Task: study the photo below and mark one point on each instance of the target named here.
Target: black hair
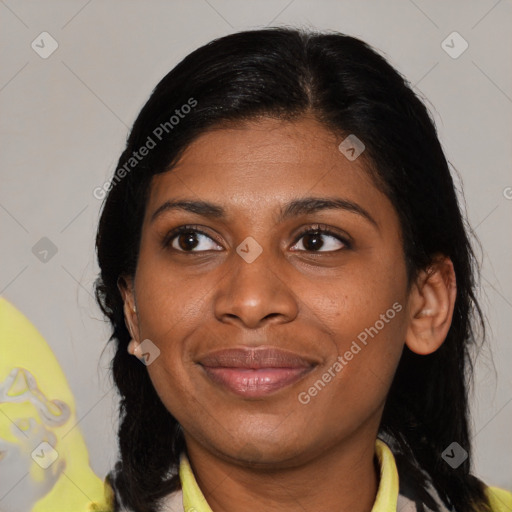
(288, 73)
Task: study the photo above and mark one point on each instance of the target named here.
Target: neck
(343, 478)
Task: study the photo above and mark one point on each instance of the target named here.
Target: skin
(276, 453)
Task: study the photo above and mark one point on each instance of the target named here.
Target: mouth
(255, 373)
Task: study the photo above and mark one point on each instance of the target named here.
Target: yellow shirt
(385, 501)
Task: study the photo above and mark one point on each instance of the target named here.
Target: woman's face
(330, 308)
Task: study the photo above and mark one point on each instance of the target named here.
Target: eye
(314, 236)
(188, 238)
(191, 239)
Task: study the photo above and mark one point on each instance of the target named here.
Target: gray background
(65, 119)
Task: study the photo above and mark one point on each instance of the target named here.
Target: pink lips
(255, 372)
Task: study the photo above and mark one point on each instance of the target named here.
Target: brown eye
(186, 241)
(320, 239)
(189, 239)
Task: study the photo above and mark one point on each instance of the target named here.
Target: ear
(125, 286)
(431, 305)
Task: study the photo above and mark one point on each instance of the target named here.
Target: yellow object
(44, 463)
(501, 500)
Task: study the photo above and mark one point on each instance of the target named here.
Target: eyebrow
(307, 205)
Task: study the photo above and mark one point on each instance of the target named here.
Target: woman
(291, 289)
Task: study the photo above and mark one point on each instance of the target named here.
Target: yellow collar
(385, 501)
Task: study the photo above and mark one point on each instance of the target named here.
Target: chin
(260, 450)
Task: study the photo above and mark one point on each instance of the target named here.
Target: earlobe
(431, 305)
(133, 348)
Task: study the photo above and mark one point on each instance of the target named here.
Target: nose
(255, 293)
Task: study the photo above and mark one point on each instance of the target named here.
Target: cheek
(169, 301)
(352, 387)
(365, 304)
(368, 324)
(173, 309)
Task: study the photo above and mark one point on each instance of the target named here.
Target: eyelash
(323, 230)
(314, 229)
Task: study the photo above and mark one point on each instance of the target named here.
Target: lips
(255, 372)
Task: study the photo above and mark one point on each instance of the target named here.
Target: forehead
(260, 164)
